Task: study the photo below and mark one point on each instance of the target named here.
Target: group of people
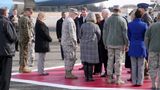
(32, 39)
(18, 33)
(105, 42)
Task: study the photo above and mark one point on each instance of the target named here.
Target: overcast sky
(110, 3)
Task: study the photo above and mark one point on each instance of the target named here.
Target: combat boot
(110, 79)
(154, 86)
(69, 75)
(23, 69)
(119, 81)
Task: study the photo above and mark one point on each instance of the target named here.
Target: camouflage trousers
(31, 53)
(23, 54)
(115, 58)
(154, 64)
(69, 57)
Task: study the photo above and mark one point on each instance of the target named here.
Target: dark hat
(143, 5)
(116, 7)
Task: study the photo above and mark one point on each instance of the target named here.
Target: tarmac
(53, 57)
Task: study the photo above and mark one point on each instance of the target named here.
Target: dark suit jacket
(8, 37)
(81, 21)
(42, 37)
(59, 28)
(77, 28)
(103, 57)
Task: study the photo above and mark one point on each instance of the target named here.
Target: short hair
(91, 17)
(63, 12)
(116, 10)
(28, 9)
(84, 9)
(106, 11)
(138, 14)
(3, 11)
(14, 9)
(97, 15)
(41, 15)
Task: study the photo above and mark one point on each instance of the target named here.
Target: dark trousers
(5, 72)
(62, 54)
(88, 70)
(16, 46)
(98, 68)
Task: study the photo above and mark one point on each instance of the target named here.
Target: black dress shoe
(104, 74)
(90, 80)
(129, 79)
(44, 74)
(96, 73)
(81, 68)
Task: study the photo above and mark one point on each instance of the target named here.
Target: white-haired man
(103, 57)
(69, 42)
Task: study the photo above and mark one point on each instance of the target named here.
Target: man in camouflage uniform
(26, 26)
(152, 42)
(116, 41)
(31, 46)
(69, 43)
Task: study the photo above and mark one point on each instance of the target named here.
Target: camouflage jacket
(25, 29)
(69, 36)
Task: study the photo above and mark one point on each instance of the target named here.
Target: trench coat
(89, 37)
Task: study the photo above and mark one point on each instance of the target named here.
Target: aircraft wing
(65, 2)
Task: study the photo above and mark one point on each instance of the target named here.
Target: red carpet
(56, 76)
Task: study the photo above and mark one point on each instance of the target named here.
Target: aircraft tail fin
(6, 3)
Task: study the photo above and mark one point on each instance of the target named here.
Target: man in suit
(82, 19)
(59, 31)
(83, 16)
(103, 53)
(8, 37)
(14, 19)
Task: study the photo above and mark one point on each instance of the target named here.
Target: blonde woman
(89, 37)
(42, 39)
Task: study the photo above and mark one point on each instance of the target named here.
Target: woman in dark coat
(98, 67)
(42, 39)
(89, 37)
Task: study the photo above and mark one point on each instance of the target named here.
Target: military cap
(73, 10)
(143, 5)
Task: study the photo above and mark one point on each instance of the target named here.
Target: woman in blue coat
(137, 49)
